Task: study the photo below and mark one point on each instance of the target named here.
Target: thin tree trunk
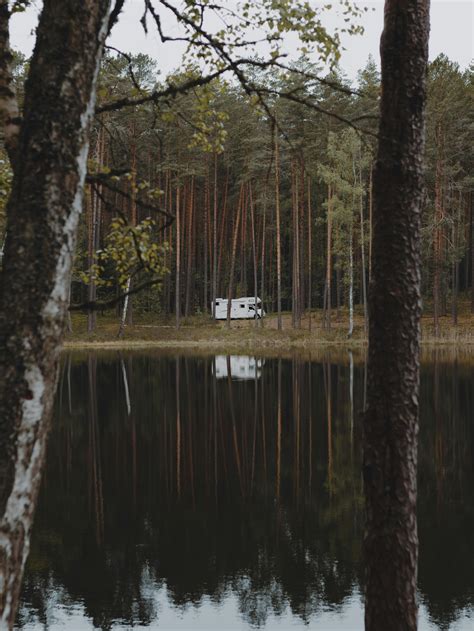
(327, 314)
(351, 282)
(206, 263)
(310, 253)
(262, 280)
(471, 215)
(189, 248)
(234, 252)
(391, 419)
(438, 235)
(278, 227)
(254, 252)
(222, 231)
(362, 255)
(214, 242)
(177, 302)
(371, 206)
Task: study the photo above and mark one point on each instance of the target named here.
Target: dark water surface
(225, 493)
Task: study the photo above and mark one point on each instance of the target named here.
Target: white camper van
(240, 309)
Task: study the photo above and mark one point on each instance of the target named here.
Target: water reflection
(176, 496)
(239, 367)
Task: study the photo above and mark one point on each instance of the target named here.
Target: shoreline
(198, 335)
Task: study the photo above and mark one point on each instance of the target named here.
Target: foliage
(128, 250)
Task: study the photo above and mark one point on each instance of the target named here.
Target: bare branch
(100, 178)
(157, 95)
(148, 207)
(133, 78)
(98, 305)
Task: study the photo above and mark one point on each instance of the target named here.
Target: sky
(452, 33)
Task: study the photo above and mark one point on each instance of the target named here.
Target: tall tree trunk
(310, 252)
(93, 237)
(371, 214)
(278, 226)
(391, 418)
(438, 234)
(327, 311)
(234, 252)
(351, 281)
(42, 217)
(262, 265)
(254, 252)
(471, 240)
(214, 241)
(222, 230)
(362, 255)
(127, 304)
(189, 254)
(177, 300)
(206, 214)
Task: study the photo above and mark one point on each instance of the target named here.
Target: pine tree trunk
(278, 226)
(127, 315)
(189, 253)
(214, 241)
(254, 252)
(362, 255)
(177, 299)
(206, 264)
(351, 282)
(471, 240)
(391, 418)
(437, 238)
(327, 311)
(310, 252)
(262, 266)
(234, 252)
(42, 218)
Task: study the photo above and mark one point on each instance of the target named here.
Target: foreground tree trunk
(42, 216)
(391, 419)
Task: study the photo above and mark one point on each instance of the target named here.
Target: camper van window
(242, 306)
(217, 303)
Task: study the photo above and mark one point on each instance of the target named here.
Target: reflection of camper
(241, 367)
(240, 309)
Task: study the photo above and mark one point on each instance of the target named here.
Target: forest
(258, 170)
(214, 193)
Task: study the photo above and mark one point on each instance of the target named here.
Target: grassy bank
(199, 333)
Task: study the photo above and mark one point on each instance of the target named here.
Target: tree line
(207, 195)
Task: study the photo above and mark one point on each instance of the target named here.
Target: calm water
(225, 493)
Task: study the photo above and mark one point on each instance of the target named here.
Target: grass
(200, 334)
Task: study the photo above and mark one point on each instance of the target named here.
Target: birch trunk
(42, 218)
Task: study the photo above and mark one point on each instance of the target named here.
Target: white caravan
(237, 367)
(240, 309)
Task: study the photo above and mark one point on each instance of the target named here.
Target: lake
(226, 493)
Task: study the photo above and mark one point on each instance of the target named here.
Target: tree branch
(114, 14)
(98, 305)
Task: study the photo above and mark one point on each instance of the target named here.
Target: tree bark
(391, 418)
(42, 216)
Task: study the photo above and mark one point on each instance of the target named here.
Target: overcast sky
(452, 33)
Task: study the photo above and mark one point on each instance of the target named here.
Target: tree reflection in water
(167, 472)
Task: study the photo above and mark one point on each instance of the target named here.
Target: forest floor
(200, 334)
